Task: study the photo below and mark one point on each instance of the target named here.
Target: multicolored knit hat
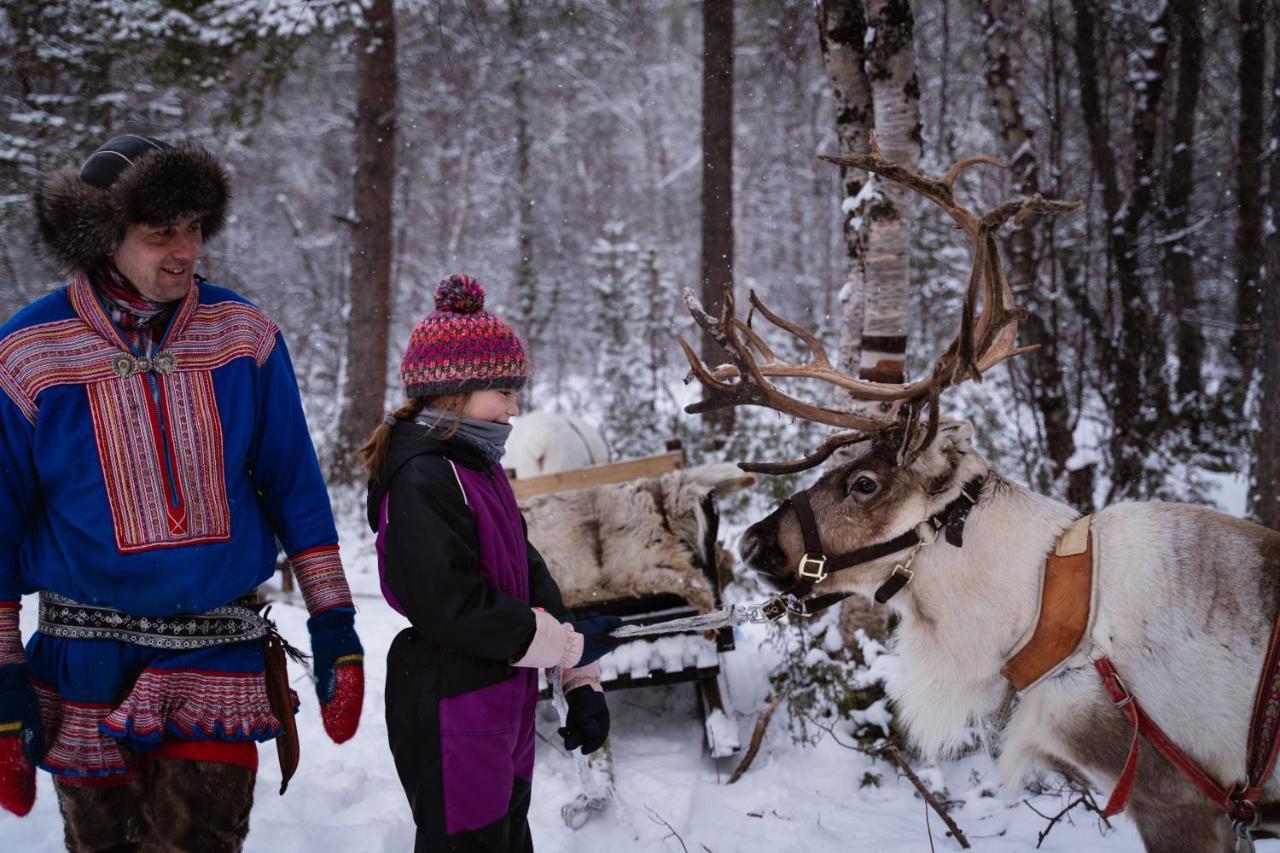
(460, 347)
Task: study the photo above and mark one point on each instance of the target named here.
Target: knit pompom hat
(460, 347)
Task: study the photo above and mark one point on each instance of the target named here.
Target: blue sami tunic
(154, 493)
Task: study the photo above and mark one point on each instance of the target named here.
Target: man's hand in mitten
(337, 659)
(587, 723)
(21, 732)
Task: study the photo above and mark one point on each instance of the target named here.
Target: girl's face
(491, 405)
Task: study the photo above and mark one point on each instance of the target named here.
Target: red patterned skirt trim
(164, 706)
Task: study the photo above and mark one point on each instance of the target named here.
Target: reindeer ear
(955, 437)
(943, 455)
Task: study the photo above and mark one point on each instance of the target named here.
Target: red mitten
(17, 776)
(337, 658)
(341, 714)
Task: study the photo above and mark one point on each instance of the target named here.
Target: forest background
(564, 153)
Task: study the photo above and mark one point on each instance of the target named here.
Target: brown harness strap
(1065, 599)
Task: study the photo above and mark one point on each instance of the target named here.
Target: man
(152, 451)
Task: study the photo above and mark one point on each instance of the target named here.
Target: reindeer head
(867, 499)
(911, 466)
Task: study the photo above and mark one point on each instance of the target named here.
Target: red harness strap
(1239, 801)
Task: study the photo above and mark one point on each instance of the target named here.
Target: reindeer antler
(984, 339)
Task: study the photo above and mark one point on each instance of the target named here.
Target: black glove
(596, 642)
(587, 723)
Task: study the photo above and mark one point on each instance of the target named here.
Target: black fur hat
(82, 214)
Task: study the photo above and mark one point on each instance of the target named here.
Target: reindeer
(1184, 599)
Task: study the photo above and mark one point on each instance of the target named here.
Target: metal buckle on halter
(777, 607)
(903, 569)
(771, 611)
(808, 559)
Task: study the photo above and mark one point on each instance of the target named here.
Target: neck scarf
(487, 437)
(142, 321)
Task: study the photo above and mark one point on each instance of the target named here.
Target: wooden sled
(717, 714)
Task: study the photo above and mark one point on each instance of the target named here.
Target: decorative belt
(237, 622)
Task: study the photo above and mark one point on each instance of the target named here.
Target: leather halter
(815, 566)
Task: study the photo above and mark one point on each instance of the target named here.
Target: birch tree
(842, 35)
(895, 99)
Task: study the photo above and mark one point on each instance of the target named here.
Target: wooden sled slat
(598, 475)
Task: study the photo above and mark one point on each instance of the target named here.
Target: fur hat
(82, 214)
(460, 347)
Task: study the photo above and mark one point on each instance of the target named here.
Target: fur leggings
(174, 806)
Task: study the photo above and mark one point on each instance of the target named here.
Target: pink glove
(554, 643)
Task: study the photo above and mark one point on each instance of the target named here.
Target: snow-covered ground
(670, 795)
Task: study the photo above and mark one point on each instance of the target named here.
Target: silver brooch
(122, 364)
(125, 364)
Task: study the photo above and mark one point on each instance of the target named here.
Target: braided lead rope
(594, 796)
(736, 614)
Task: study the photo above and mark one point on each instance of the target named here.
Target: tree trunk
(370, 254)
(531, 314)
(1043, 367)
(895, 96)
(1136, 381)
(1265, 491)
(842, 32)
(1249, 245)
(717, 181)
(1179, 255)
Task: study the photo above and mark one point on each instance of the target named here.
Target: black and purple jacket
(454, 559)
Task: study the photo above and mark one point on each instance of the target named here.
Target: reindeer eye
(864, 486)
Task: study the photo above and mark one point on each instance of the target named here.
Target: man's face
(491, 405)
(160, 260)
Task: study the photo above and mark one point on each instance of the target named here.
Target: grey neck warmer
(487, 437)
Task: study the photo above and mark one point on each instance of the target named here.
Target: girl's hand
(596, 642)
(587, 723)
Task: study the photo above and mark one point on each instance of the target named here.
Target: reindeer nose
(749, 550)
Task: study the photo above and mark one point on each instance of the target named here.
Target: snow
(669, 794)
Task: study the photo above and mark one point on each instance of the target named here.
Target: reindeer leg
(1186, 826)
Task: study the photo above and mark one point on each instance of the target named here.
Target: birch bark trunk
(895, 96)
(842, 32)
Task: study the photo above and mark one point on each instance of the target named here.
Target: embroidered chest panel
(161, 456)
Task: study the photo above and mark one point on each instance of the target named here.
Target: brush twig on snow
(894, 754)
(1084, 799)
(657, 818)
(757, 737)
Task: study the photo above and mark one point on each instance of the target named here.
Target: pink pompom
(460, 294)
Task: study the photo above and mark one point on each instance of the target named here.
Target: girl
(485, 612)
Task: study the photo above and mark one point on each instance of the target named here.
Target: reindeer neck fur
(965, 610)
